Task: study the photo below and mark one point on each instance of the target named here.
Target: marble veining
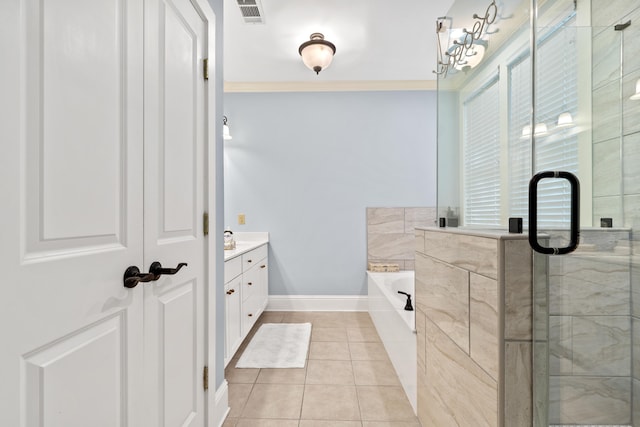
(476, 254)
(484, 323)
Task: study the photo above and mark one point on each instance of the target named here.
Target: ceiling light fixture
(317, 53)
(226, 133)
(636, 96)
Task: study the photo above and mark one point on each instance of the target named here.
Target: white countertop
(245, 242)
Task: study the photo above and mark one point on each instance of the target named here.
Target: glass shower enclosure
(554, 85)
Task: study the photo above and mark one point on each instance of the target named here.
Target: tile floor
(348, 381)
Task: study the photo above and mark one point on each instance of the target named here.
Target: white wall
(304, 166)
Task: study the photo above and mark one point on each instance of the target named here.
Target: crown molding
(331, 86)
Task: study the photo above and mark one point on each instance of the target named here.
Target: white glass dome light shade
(317, 53)
(636, 96)
(565, 120)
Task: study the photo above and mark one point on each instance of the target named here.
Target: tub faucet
(408, 305)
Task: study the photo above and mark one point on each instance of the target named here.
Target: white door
(71, 111)
(78, 348)
(175, 46)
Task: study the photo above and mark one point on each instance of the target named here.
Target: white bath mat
(277, 345)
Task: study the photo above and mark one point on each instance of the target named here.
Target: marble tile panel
(560, 345)
(390, 246)
(540, 295)
(598, 270)
(579, 400)
(409, 264)
(461, 388)
(541, 383)
(635, 340)
(635, 290)
(607, 178)
(419, 241)
(630, 108)
(432, 411)
(605, 57)
(631, 47)
(518, 411)
(606, 112)
(577, 296)
(473, 253)
(385, 220)
(608, 207)
(418, 217)
(421, 341)
(518, 271)
(484, 331)
(632, 211)
(604, 239)
(631, 163)
(442, 293)
(606, 14)
(635, 406)
(601, 345)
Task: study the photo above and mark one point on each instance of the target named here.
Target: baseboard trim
(221, 409)
(317, 303)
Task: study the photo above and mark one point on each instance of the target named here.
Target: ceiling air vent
(251, 11)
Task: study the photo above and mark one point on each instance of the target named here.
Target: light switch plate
(240, 219)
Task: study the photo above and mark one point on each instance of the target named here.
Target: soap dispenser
(229, 242)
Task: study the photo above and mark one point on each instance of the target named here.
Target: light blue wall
(304, 166)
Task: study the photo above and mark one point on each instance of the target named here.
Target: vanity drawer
(252, 258)
(232, 268)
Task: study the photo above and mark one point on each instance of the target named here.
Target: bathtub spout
(408, 305)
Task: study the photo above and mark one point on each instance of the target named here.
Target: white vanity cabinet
(246, 276)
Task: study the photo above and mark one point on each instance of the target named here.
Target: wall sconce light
(565, 120)
(317, 53)
(226, 134)
(540, 130)
(636, 96)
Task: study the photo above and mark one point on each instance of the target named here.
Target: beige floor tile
(384, 403)
(374, 372)
(329, 350)
(330, 402)
(297, 317)
(331, 319)
(271, 317)
(362, 335)
(391, 424)
(282, 376)
(330, 372)
(359, 319)
(368, 351)
(246, 422)
(274, 401)
(333, 423)
(240, 375)
(238, 396)
(230, 422)
(328, 334)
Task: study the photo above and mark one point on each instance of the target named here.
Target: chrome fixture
(468, 49)
(317, 53)
(226, 133)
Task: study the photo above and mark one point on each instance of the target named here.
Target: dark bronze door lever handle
(157, 270)
(132, 277)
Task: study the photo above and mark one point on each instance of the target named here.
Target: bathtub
(395, 325)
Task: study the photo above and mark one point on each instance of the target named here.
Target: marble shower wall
(616, 167)
(391, 232)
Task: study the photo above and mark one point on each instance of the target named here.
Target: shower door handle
(574, 234)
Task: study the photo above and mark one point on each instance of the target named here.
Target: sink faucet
(408, 305)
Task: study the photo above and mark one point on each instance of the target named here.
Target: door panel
(72, 204)
(174, 196)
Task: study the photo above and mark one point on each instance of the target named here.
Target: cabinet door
(233, 332)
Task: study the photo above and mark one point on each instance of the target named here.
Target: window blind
(481, 156)
(556, 86)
